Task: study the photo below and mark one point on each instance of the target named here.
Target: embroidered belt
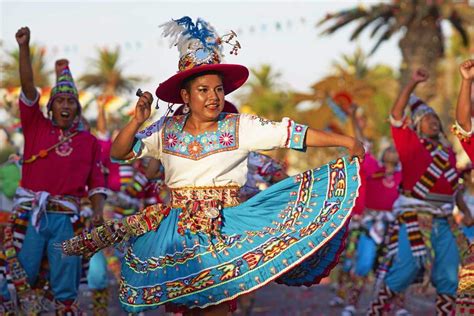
(202, 206)
(227, 195)
(53, 207)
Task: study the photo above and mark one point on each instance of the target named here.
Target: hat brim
(234, 76)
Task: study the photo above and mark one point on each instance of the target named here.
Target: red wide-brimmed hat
(200, 51)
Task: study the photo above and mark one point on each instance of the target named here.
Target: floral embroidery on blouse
(261, 120)
(180, 143)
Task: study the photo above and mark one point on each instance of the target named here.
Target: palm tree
(10, 77)
(422, 42)
(264, 95)
(107, 75)
(355, 64)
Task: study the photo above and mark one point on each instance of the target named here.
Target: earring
(186, 109)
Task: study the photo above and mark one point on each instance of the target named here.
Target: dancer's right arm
(26, 71)
(398, 108)
(123, 143)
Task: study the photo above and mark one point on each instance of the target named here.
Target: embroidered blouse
(216, 158)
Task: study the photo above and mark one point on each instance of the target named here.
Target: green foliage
(107, 74)
(9, 69)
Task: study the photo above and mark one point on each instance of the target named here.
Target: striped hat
(64, 86)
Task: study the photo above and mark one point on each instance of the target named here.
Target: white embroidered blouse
(216, 158)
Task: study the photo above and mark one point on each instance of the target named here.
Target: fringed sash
(439, 167)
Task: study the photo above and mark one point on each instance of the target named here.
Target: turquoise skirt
(291, 233)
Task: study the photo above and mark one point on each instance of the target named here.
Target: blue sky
(75, 29)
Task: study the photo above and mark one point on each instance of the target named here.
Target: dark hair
(188, 81)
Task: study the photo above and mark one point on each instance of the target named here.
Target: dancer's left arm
(318, 138)
(463, 110)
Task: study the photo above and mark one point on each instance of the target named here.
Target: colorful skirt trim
(291, 233)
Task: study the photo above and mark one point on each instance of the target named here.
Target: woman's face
(205, 97)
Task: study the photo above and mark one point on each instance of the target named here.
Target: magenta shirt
(113, 179)
(382, 190)
(71, 169)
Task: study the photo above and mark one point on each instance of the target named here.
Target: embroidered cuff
(27, 101)
(99, 190)
(396, 123)
(296, 135)
(461, 131)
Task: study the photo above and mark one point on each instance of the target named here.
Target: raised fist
(23, 36)
(420, 75)
(143, 107)
(467, 69)
(60, 65)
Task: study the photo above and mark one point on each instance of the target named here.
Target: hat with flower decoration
(64, 86)
(200, 50)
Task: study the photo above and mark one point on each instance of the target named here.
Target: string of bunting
(133, 45)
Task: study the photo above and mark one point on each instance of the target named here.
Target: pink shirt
(70, 169)
(415, 159)
(113, 178)
(359, 205)
(383, 189)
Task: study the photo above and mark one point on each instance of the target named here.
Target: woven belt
(54, 207)
(202, 206)
(227, 195)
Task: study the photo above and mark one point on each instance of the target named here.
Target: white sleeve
(148, 141)
(257, 133)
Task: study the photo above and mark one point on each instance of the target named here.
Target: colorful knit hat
(419, 109)
(200, 50)
(64, 86)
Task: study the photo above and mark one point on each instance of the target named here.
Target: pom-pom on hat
(64, 86)
(200, 50)
(418, 109)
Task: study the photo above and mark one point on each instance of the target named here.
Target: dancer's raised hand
(420, 75)
(467, 69)
(143, 107)
(23, 36)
